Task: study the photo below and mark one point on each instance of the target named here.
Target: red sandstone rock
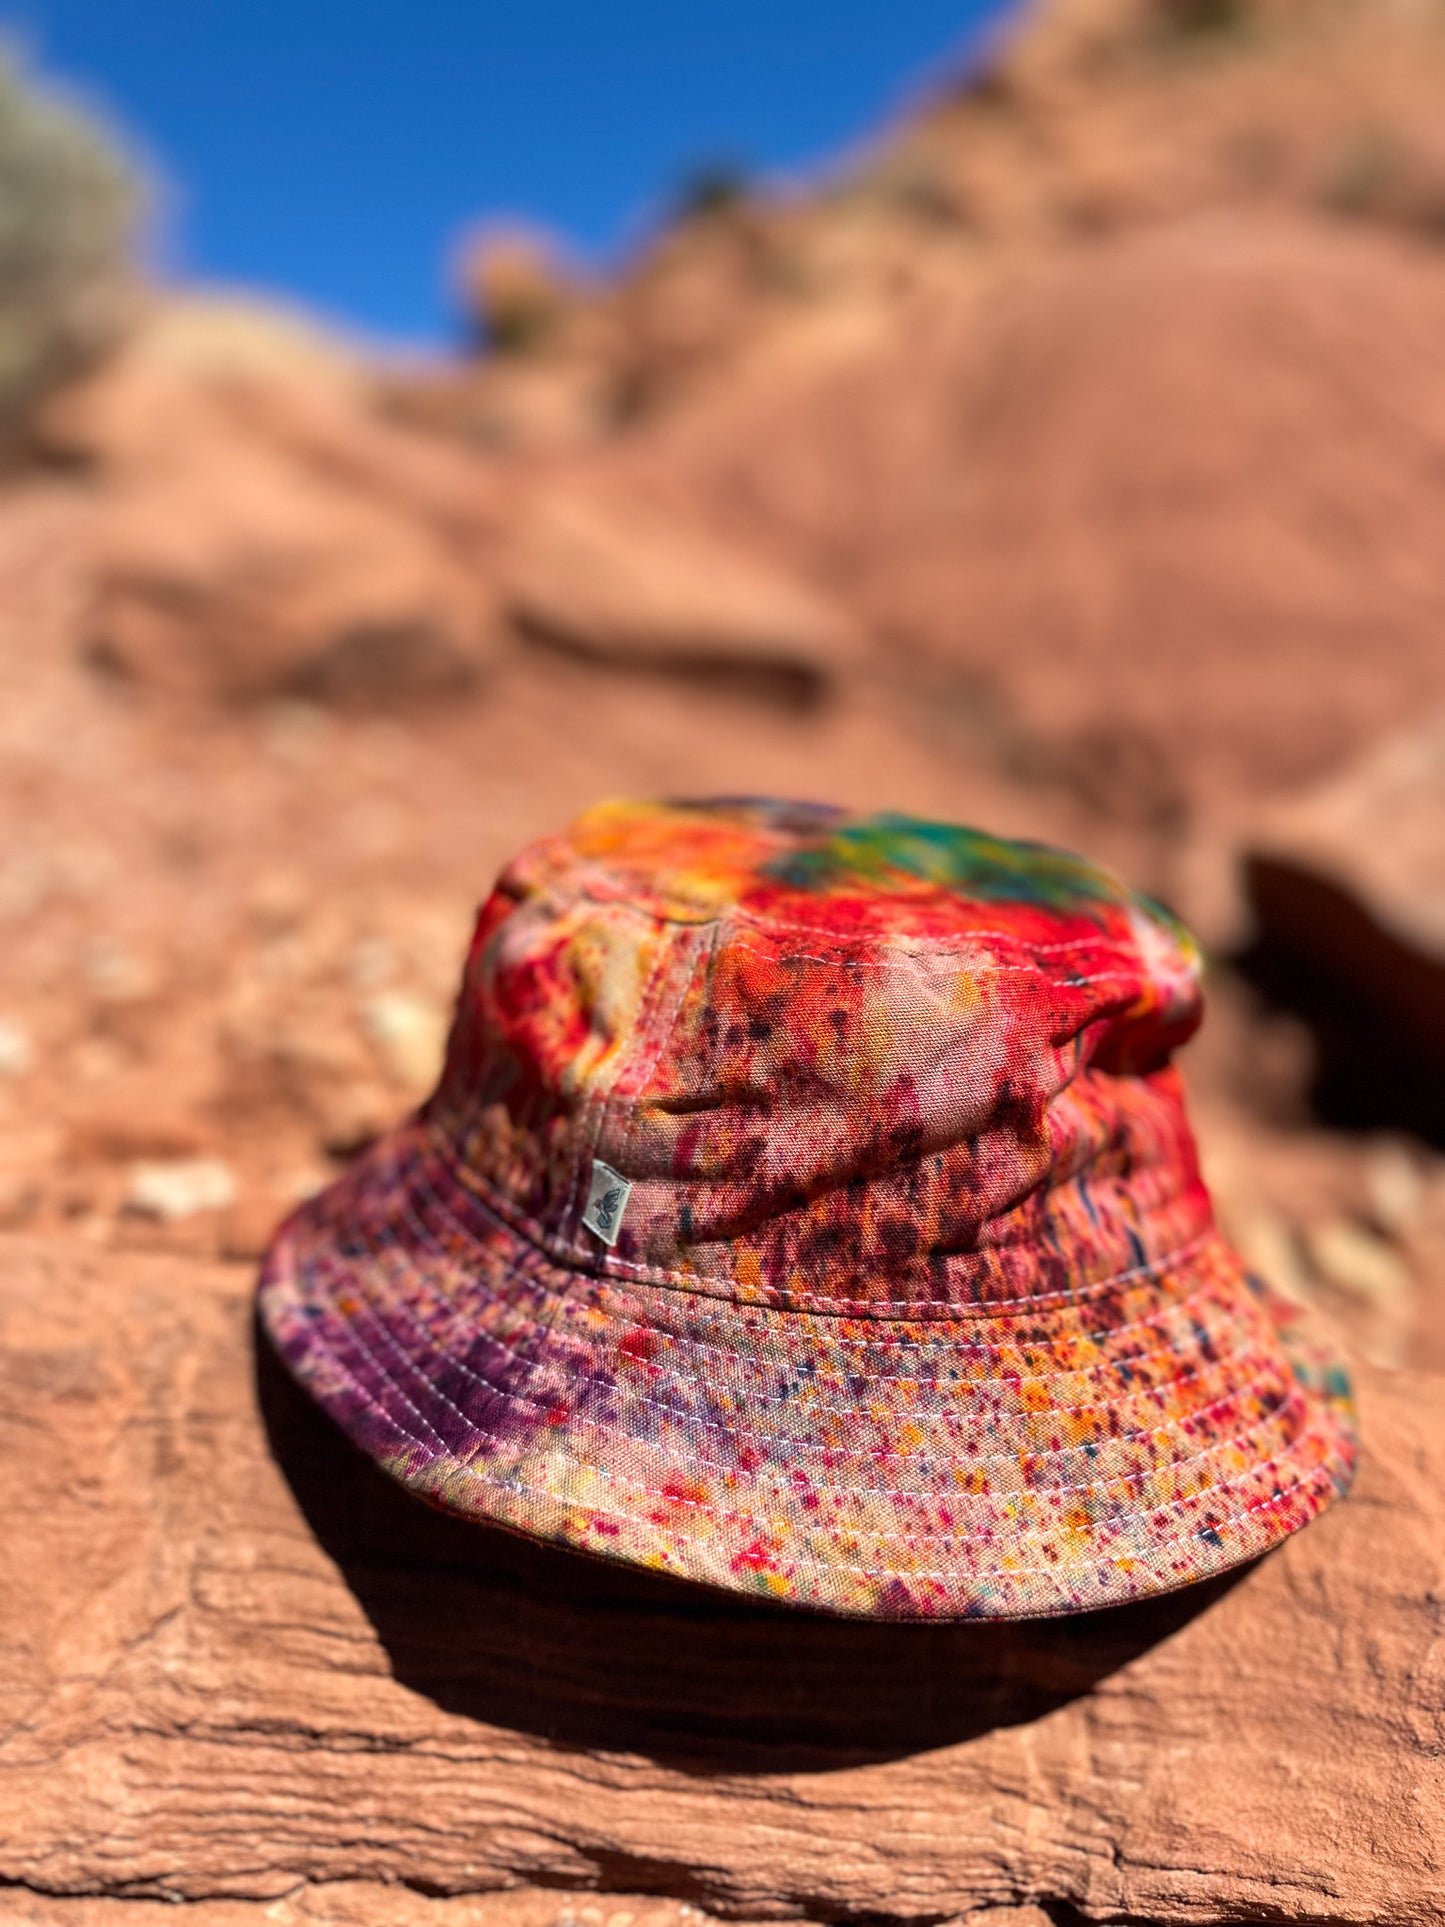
(249, 578)
(627, 582)
(239, 1666)
(362, 1903)
(1085, 504)
(1091, 117)
(261, 531)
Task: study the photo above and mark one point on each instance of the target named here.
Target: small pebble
(296, 732)
(371, 963)
(1396, 1187)
(1268, 1246)
(171, 1189)
(277, 900)
(1358, 1262)
(410, 1034)
(16, 1053)
(116, 976)
(1360, 1265)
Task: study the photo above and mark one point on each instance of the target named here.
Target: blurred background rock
(1068, 456)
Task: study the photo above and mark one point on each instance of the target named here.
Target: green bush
(713, 187)
(70, 206)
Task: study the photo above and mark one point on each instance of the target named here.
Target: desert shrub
(515, 288)
(70, 204)
(711, 188)
(519, 326)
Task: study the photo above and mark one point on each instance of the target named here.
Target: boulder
(1217, 589)
(244, 1670)
(626, 581)
(248, 577)
(275, 535)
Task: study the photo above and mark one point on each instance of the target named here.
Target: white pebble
(410, 1034)
(16, 1054)
(175, 1188)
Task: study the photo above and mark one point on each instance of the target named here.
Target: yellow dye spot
(1077, 1427)
(967, 992)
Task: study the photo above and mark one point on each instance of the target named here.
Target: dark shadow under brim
(587, 1653)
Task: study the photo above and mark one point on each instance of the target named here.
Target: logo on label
(607, 1197)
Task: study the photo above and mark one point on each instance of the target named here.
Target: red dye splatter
(755, 1557)
(639, 1347)
(684, 1491)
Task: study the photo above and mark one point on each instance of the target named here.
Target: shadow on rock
(495, 1628)
(1370, 999)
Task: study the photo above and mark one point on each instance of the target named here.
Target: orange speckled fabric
(917, 1307)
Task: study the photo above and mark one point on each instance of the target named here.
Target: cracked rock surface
(241, 1670)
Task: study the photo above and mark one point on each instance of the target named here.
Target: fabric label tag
(607, 1197)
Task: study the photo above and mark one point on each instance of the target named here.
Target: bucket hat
(808, 1207)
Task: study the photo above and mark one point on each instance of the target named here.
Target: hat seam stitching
(610, 1477)
(569, 1254)
(542, 1330)
(513, 1271)
(1276, 1414)
(615, 1474)
(586, 869)
(1114, 1331)
(553, 1248)
(861, 1344)
(1040, 972)
(984, 1458)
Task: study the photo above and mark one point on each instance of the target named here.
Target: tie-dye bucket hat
(808, 1208)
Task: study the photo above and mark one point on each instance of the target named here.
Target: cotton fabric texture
(916, 1306)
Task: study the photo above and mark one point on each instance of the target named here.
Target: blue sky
(334, 149)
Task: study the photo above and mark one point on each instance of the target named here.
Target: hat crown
(845, 1064)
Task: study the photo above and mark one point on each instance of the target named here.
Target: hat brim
(1050, 1458)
